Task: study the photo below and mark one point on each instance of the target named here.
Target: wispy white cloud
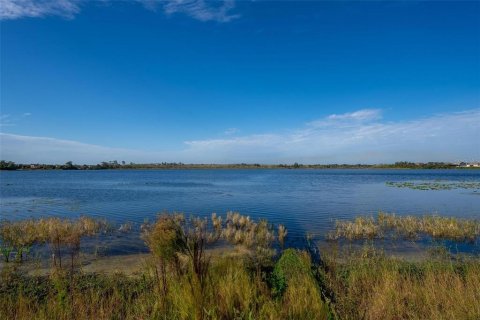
(354, 137)
(201, 10)
(30, 149)
(360, 115)
(15, 9)
(343, 138)
(231, 131)
(348, 119)
(9, 120)
(6, 120)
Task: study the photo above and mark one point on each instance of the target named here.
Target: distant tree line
(10, 165)
(421, 165)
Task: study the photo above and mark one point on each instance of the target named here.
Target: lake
(303, 200)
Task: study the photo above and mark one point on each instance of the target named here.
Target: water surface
(304, 200)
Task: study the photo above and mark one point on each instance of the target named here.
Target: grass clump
(294, 284)
(360, 228)
(407, 227)
(63, 236)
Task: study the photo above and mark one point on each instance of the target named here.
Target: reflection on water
(303, 200)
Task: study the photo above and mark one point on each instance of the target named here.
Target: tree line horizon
(69, 165)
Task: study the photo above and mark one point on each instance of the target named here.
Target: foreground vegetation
(368, 284)
(183, 279)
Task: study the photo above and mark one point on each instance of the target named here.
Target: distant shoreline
(114, 165)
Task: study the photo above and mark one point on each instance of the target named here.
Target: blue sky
(239, 81)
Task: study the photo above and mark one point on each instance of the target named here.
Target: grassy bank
(182, 278)
(368, 284)
(233, 292)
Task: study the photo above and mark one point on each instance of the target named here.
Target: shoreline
(246, 168)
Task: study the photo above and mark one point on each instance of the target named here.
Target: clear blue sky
(253, 81)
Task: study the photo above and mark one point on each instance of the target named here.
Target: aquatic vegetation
(360, 228)
(437, 227)
(435, 185)
(407, 227)
(282, 234)
(67, 234)
(59, 234)
(17, 237)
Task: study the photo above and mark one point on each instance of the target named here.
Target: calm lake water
(304, 200)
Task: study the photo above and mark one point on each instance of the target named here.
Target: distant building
(469, 164)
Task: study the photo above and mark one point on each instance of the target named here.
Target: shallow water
(304, 200)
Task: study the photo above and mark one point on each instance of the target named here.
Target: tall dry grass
(367, 284)
(232, 293)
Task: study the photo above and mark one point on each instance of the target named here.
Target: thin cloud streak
(360, 115)
(15, 9)
(201, 10)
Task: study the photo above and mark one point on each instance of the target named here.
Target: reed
(360, 228)
(407, 227)
(256, 238)
(17, 237)
(61, 235)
